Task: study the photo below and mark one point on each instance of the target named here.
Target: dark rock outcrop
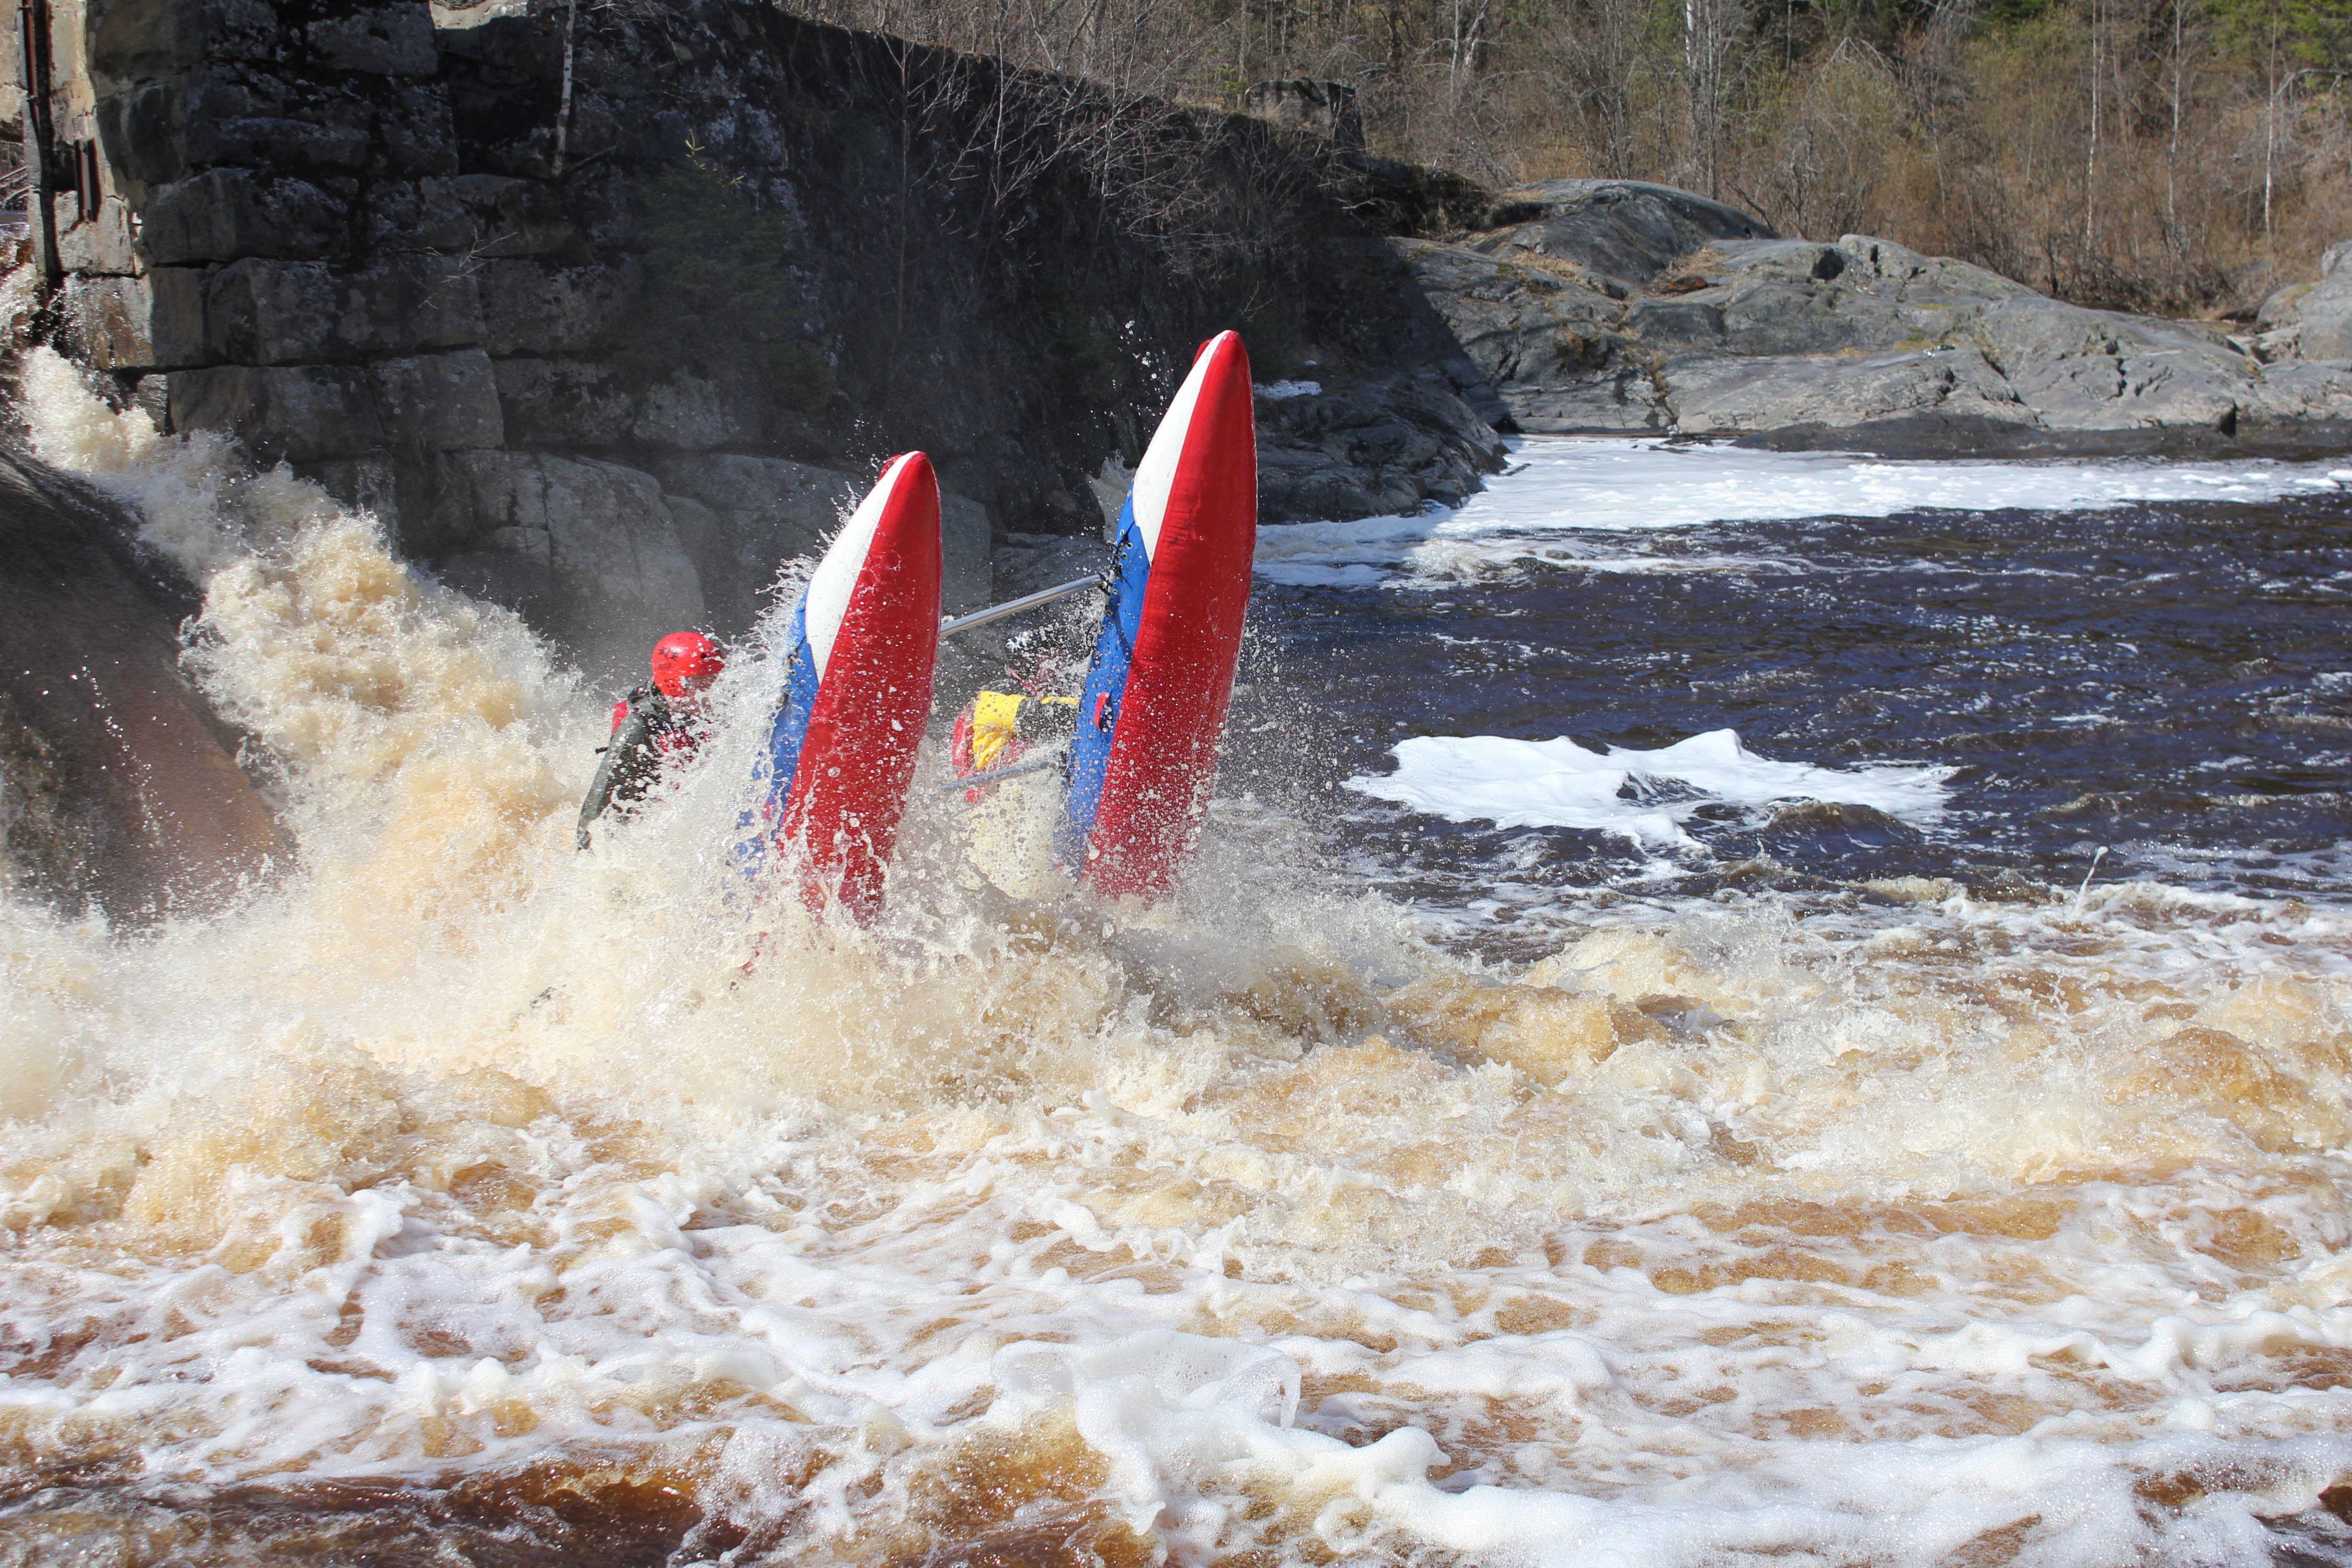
(118, 785)
(1374, 448)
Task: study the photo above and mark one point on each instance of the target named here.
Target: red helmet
(685, 664)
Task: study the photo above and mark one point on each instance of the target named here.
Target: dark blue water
(2162, 689)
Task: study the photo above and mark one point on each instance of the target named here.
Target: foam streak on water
(1575, 492)
(460, 1178)
(1558, 783)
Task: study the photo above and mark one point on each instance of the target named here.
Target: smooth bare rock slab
(223, 215)
(299, 413)
(1916, 393)
(1801, 342)
(1773, 316)
(1518, 319)
(587, 547)
(1624, 230)
(2310, 320)
(1677, 324)
(2302, 406)
(1627, 401)
(2097, 371)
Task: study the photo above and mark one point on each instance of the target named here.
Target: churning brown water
(1729, 1178)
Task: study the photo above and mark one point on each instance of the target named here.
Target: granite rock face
(1370, 449)
(763, 511)
(1626, 309)
(2311, 321)
(587, 549)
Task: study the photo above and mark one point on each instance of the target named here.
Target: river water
(1734, 1006)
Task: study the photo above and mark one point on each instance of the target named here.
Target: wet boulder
(118, 785)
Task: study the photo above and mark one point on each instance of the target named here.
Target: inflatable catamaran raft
(857, 691)
(1150, 721)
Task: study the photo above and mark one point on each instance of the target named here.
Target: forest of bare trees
(2174, 155)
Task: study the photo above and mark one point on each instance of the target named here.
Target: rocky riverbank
(1615, 308)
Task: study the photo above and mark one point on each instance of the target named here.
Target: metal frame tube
(1015, 607)
(1036, 764)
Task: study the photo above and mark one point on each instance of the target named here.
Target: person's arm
(633, 734)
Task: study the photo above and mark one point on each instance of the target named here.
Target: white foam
(458, 1154)
(1560, 783)
(1562, 491)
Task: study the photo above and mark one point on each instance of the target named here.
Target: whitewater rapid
(460, 1174)
(1571, 495)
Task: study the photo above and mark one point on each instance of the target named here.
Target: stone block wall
(346, 234)
(294, 246)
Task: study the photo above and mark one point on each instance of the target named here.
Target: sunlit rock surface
(1613, 308)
